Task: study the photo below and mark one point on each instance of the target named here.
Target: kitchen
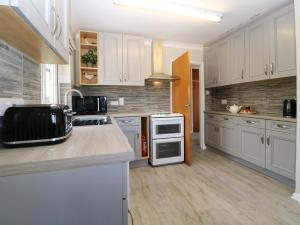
(116, 132)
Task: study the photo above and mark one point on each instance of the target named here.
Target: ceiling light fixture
(172, 8)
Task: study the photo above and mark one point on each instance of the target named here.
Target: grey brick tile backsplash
(266, 96)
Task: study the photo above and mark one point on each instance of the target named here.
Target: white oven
(167, 127)
(167, 139)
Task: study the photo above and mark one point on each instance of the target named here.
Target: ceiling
(103, 15)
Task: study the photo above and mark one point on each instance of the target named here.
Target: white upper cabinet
(223, 61)
(122, 60)
(49, 19)
(258, 51)
(283, 43)
(133, 60)
(264, 49)
(237, 71)
(62, 23)
(211, 68)
(111, 59)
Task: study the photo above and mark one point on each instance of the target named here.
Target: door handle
(266, 69)
(268, 140)
(272, 68)
(262, 139)
(188, 105)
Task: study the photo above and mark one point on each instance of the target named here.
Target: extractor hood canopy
(157, 63)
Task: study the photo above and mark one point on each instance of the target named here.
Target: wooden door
(258, 51)
(181, 98)
(281, 153)
(133, 61)
(237, 51)
(253, 145)
(283, 43)
(110, 59)
(196, 100)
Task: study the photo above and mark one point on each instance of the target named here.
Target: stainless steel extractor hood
(157, 64)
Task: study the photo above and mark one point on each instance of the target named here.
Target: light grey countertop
(88, 145)
(258, 116)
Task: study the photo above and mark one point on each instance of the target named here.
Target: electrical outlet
(224, 101)
(8, 102)
(121, 101)
(114, 103)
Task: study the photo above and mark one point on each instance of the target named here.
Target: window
(49, 84)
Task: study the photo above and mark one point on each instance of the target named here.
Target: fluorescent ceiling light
(172, 8)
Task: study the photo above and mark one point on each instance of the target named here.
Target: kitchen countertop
(258, 116)
(134, 114)
(88, 145)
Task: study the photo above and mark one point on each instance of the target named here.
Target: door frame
(192, 66)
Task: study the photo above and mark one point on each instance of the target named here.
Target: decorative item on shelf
(233, 108)
(85, 40)
(89, 76)
(248, 110)
(90, 58)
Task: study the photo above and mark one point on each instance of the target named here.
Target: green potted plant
(90, 58)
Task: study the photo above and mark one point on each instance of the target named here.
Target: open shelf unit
(88, 74)
(145, 133)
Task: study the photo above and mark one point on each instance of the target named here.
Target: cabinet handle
(120, 77)
(268, 140)
(60, 27)
(250, 122)
(55, 22)
(242, 75)
(272, 68)
(125, 77)
(282, 126)
(266, 69)
(262, 139)
(225, 118)
(138, 135)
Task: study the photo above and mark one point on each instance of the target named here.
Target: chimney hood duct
(157, 64)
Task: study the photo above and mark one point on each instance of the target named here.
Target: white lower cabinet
(265, 143)
(229, 139)
(252, 144)
(281, 153)
(212, 136)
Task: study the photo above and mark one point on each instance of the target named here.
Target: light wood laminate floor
(214, 190)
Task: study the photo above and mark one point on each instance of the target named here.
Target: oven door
(167, 127)
(166, 151)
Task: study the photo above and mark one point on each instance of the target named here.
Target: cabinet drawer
(252, 122)
(227, 119)
(128, 121)
(281, 126)
(211, 117)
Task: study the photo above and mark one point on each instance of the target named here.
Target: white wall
(297, 19)
(172, 50)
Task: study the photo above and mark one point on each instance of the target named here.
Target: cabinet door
(62, 34)
(133, 61)
(110, 59)
(281, 153)
(237, 55)
(258, 51)
(212, 137)
(210, 66)
(228, 139)
(252, 143)
(223, 61)
(133, 135)
(40, 14)
(283, 43)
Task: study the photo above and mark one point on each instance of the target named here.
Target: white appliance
(167, 138)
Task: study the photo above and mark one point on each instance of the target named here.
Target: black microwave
(89, 105)
(36, 124)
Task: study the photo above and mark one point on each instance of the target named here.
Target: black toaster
(36, 124)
